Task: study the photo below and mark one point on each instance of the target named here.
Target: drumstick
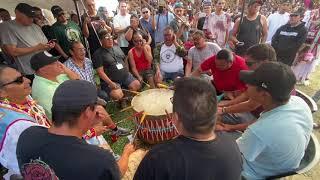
(162, 86)
(146, 84)
(134, 115)
(127, 108)
(134, 92)
(141, 121)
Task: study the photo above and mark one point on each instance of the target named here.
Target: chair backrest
(311, 156)
(311, 103)
(310, 159)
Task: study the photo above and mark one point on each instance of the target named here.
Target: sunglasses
(145, 12)
(19, 80)
(108, 37)
(138, 41)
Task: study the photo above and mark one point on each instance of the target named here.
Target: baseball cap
(298, 12)
(255, 1)
(74, 94)
(56, 10)
(104, 33)
(207, 3)
(42, 59)
(274, 77)
(26, 9)
(178, 5)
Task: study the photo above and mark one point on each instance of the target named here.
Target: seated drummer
(198, 153)
(249, 110)
(50, 73)
(276, 143)
(168, 57)
(225, 68)
(60, 151)
(109, 62)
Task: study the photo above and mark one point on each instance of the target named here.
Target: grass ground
(314, 174)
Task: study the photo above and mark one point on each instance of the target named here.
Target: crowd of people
(56, 79)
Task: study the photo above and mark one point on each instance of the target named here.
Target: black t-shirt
(68, 156)
(109, 58)
(201, 23)
(184, 158)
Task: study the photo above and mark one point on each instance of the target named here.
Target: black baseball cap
(74, 94)
(255, 1)
(26, 9)
(42, 59)
(56, 10)
(275, 77)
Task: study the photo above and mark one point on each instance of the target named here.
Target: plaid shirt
(87, 73)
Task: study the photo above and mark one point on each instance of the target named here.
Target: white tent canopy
(67, 5)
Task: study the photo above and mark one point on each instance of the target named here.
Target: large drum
(157, 125)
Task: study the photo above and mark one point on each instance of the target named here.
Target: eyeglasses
(138, 41)
(178, 11)
(108, 37)
(145, 12)
(19, 80)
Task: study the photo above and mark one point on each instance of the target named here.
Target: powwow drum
(157, 125)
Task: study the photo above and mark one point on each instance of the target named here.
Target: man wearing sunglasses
(148, 23)
(289, 38)
(63, 30)
(18, 111)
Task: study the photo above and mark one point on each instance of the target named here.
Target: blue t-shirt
(162, 22)
(276, 143)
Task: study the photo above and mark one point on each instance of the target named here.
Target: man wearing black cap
(60, 151)
(252, 30)
(63, 30)
(22, 39)
(277, 19)
(109, 61)
(289, 38)
(265, 152)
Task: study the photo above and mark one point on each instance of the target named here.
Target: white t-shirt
(122, 22)
(275, 21)
(169, 61)
(198, 56)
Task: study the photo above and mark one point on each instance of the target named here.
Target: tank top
(141, 62)
(249, 33)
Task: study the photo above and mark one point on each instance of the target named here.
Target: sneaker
(121, 132)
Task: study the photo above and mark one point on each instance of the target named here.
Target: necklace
(30, 107)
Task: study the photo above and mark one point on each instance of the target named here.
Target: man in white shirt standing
(121, 21)
(277, 19)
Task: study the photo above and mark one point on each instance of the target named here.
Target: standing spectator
(92, 25)
(200, 52)
(206, 7)
(216, 25)
(289, 38)
(121, 22)
(163, 19)
(148, 23)
(134, 28)
(198, 152)
(74, 18)
(140, 59)
(180, 28)
(4, 15)
(277, 19)
(252, 30)
(22, 39)
(64, 31)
